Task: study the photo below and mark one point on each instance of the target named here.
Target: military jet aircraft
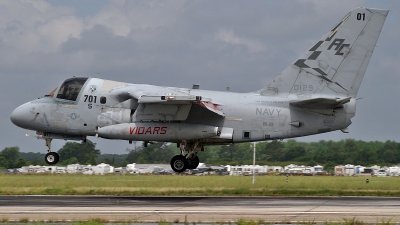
(315, 94)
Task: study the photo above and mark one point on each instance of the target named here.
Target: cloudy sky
(242, 44)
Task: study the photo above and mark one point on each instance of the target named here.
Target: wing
(154, 103)
(321, 105)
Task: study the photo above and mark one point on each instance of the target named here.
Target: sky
(242, 44)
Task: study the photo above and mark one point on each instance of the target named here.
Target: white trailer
(393, 171)
(349, 170)
(101, 169)
(131, 168)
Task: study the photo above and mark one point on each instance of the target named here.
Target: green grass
(50, 184)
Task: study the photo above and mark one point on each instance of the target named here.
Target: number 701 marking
(90, 98)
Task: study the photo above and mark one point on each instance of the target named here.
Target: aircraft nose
(19, 115)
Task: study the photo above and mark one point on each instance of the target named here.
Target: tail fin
(336, 64)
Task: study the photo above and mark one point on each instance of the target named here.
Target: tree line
(326, 153)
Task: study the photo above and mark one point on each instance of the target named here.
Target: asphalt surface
(199, 209)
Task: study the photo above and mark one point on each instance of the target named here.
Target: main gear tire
(179, 163)
(193, 163)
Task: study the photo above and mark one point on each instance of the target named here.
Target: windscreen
(51, 93)
(70, 89)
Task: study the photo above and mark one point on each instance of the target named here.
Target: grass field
(65, 184)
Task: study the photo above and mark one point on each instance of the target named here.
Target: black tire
(179, 163)
(193, 163)
(52, 158)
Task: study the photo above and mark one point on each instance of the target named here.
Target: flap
(212, 107)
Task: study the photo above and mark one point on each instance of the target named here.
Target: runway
(199, 209)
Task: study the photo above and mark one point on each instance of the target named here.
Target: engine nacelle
(169, 132)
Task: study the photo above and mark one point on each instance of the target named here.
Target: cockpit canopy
(70, 89)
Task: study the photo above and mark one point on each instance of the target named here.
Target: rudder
(336, 64)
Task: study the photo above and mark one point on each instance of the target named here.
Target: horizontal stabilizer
(320, 105)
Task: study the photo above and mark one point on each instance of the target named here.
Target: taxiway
(199, 209)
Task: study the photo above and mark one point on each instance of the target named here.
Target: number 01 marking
(360, 16)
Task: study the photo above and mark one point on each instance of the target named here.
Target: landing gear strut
(51, 157)
(180, 163)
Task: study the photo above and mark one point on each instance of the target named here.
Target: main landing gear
(51, 157)
(180, 163)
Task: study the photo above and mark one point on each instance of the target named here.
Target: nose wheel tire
(52, 158)
(179, 163)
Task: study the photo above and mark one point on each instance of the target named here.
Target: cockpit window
(70, 89)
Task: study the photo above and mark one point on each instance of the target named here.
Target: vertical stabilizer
(336, 64)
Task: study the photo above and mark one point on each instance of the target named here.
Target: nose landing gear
(51, 157)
